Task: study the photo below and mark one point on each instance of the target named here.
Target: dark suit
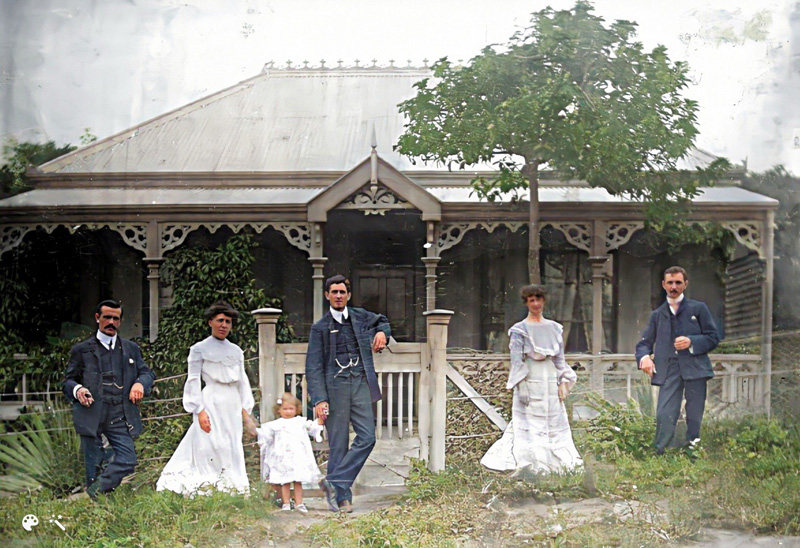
(679, 371)
(349, 397)
(121, 421)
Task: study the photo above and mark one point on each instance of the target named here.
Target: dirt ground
(521, 519)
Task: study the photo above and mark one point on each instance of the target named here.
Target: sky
(107, 65)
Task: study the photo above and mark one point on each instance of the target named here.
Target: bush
(619, 429)
(44, 453)
(200, 277)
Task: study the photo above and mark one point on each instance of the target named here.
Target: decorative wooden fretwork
(133, 234)
(374, 199)
(619, 233)
(297, 234)
(578, 234)
(451, 234)
(11, 236)
(747, 233)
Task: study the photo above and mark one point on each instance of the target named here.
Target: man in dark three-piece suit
(673, 351)
(343, 385)
(105, 381)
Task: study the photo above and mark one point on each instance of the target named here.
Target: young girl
(286, 455)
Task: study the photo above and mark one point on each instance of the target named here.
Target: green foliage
(199, 278)
(12, 307)
(572, 94)
(138, 517)
(619, 429)
(44, 453)
(764, 447)
(22, 156)
(46, 359)
(568, 91)
(667, 230)
(87, 137)
(440, 509)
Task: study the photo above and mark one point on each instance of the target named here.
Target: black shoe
(330, 494)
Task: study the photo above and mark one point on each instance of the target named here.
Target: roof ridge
(270, 66)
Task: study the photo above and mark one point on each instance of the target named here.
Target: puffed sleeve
(192, 390)
(244, 386)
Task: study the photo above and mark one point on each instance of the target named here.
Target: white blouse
(215, 361)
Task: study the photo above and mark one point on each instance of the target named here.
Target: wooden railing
(413, 378)
(398, 370)
(739, 379)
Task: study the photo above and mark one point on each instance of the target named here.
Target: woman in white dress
(211, 455)
(538, 438)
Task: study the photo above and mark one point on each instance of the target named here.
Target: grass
(746, 477)
(139, 517)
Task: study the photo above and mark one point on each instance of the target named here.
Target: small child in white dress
(286, 455)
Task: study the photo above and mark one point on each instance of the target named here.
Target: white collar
(108, 342)
(340, 315)
(672, 302)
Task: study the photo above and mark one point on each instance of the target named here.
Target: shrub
(44, 453)
(619, 429)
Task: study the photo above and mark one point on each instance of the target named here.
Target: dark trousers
(670, 396)
(349, 402)
(119, 437)
(94, 454)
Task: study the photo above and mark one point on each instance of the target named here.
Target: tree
(22, 156)
(570, 94)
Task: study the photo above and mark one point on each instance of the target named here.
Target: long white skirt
(538, 438)
(214, 460)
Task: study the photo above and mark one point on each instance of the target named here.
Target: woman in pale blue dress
(538, 438)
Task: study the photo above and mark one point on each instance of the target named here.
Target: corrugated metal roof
(578, 194)
(132, 197)
(282, 120)
(277, 121)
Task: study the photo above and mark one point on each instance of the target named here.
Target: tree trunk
(531, 171)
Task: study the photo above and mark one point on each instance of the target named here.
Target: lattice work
(618, 234)
(450, 234)
(374, 199)
(578, 234)
(469, 432)
(747, 233)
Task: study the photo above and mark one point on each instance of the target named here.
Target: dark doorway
(388, 291)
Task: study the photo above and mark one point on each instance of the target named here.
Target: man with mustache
(673, 351)
(105, 381)
(343, 385)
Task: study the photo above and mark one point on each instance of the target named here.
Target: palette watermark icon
(29, 522)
